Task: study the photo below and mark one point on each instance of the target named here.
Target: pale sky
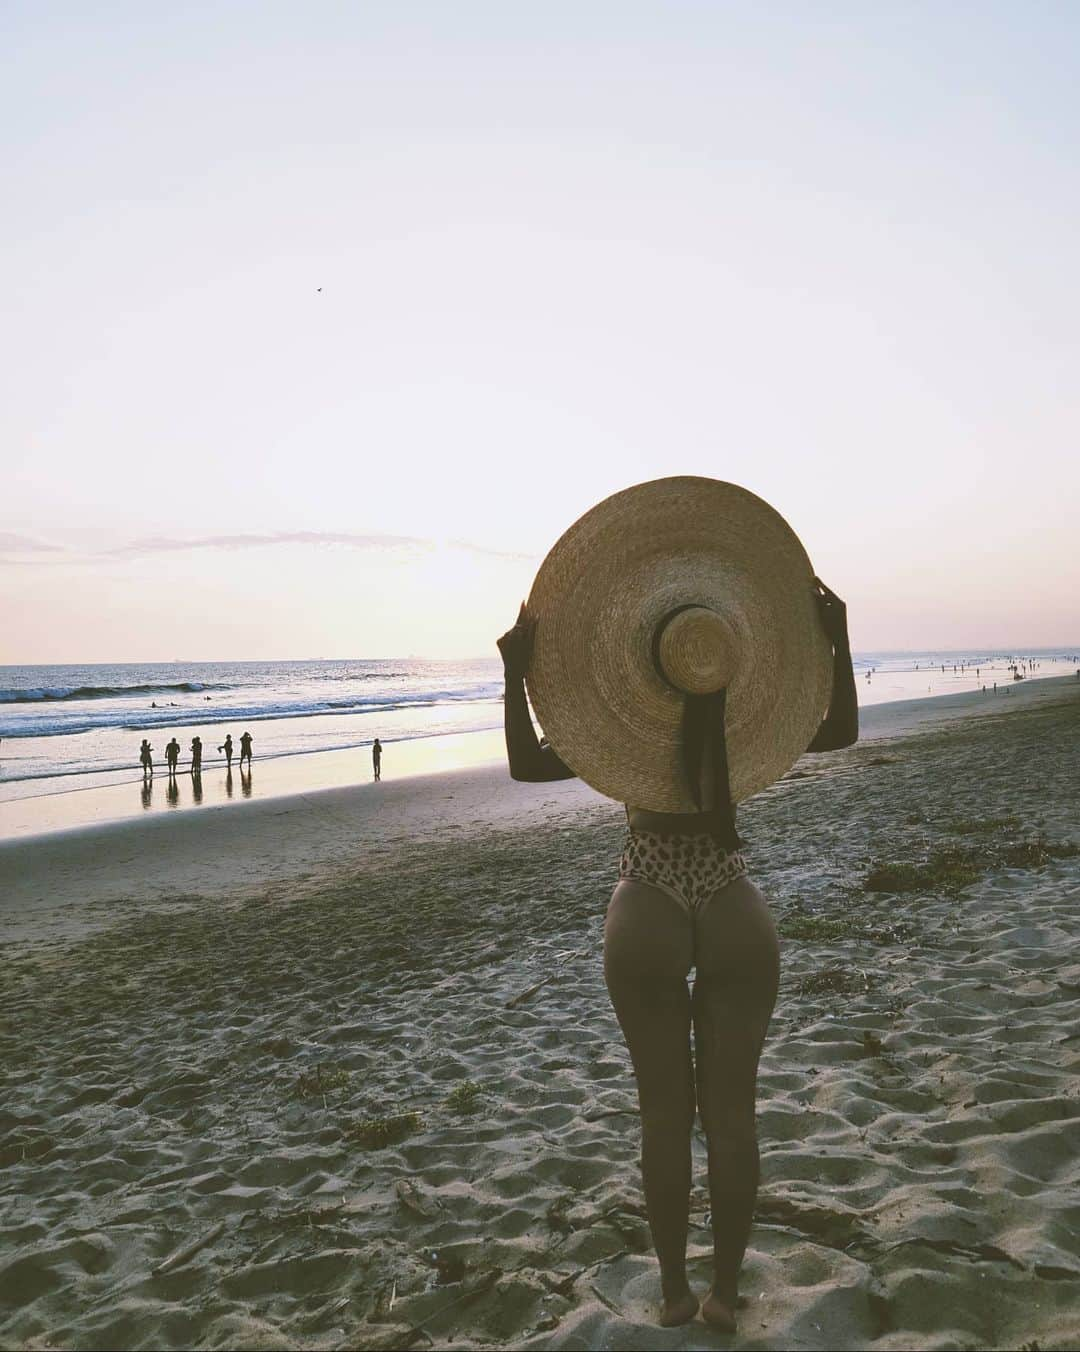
(826, 251)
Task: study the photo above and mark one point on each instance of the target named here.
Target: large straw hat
(679, 585)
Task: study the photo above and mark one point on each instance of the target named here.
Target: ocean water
(80, 726)
(60, 724)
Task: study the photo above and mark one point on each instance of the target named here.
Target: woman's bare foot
(717, 1313)
(679, 1309)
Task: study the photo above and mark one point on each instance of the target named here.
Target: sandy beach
(358, 1041)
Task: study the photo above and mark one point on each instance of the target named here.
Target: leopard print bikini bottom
(688, 868)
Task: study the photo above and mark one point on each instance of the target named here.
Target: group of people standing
(172, 754)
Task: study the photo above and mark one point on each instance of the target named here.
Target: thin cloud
(11, 543)
(490, 553)
(28, 551)
(159, 544)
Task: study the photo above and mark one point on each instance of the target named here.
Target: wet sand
(210, 1017)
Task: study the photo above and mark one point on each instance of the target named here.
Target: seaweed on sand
(835, 981)
(811, 928)
(322, 1081)
(946, 870)
(372, 1133)
(954, 867)
(464, 1098)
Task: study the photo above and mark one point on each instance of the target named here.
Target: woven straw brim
(600, 597)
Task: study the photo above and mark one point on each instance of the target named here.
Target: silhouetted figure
(196, 755)
(245, 748)
(227, 748)
(146, 758)
(376, 758)
(172, 754)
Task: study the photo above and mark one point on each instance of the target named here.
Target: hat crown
(696, 651)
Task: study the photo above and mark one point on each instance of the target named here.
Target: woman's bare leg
(738, 972)
(648, 950)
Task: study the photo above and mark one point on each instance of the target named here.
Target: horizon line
(1003, 649)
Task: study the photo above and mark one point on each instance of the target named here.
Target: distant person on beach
(227, 748)
(172, 754)
(683, 899)
(146, 758)
(376, 758)
(196, 755)
(245, 748)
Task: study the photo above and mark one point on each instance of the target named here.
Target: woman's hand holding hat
(517, 643)
(840, 727)
(833, 614)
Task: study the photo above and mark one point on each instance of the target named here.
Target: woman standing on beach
(685, 636)
(146, 758)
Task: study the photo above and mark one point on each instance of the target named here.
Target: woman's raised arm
(531, 760)
(840, 727)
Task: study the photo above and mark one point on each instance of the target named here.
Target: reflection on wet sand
(196, 785)
(172, 792)
(147, 792)
(245, 781)
(228, 782)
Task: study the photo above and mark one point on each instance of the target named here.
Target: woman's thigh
(648, 952)
(738, 973)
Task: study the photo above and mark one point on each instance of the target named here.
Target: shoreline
(299, 774)
(60, 882)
